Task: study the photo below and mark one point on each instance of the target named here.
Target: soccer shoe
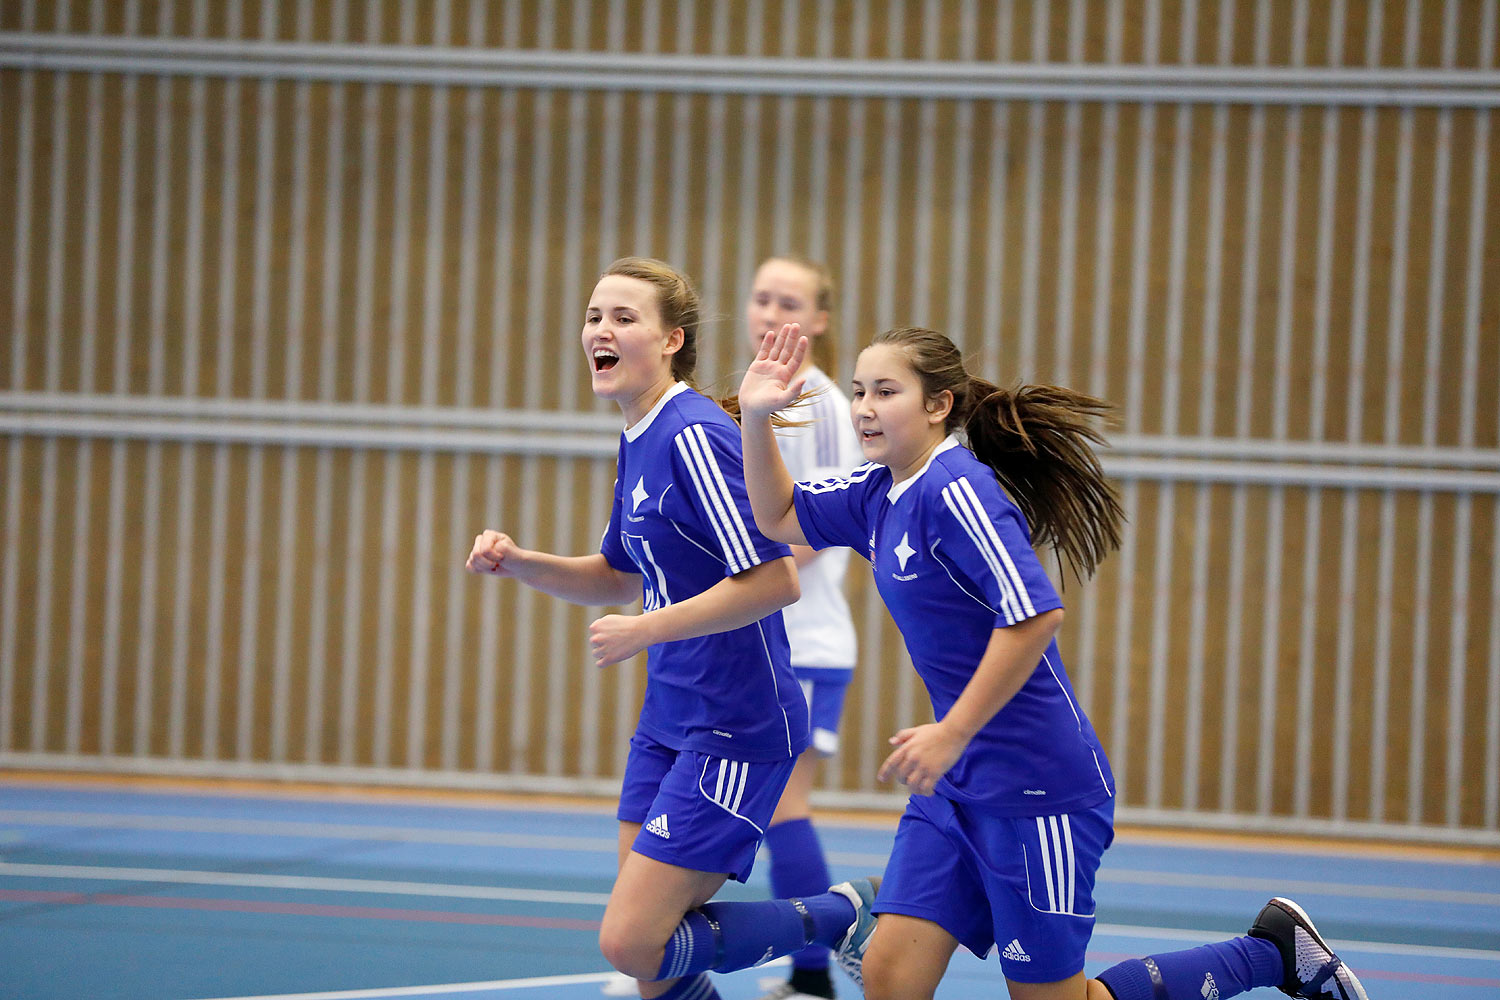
(1312, 969)
(850, 953)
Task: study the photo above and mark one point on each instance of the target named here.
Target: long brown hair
(1039, 440)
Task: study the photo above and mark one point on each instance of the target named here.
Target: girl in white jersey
(820, 445)
(1012, 797)
(723, 719)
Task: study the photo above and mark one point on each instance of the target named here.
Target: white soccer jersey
(819, 625)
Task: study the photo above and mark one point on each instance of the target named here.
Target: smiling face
(784, 291)
(897, 426)
(629, 352)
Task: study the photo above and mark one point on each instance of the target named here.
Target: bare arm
(732, 603)
(579, 579)
(925, 753)
(770, 384)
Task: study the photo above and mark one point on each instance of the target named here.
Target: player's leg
(645, 907)
(906, 958)
(705, 824)
(798, 864)
(1283, 950)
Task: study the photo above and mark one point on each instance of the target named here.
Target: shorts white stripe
(1072, 870)
(1064, 877)
(739, 792)
(719, 788)
(1046, 859)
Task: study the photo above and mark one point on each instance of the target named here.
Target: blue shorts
(824, 688)
(699, 811)
(1024, 884)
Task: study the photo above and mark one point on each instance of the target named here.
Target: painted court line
(440, 890)
(293, 909)
(310, 882)
(436, 990)
(608, 846)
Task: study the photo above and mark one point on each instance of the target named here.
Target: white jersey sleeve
(820, 626)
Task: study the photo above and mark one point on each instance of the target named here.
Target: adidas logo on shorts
(1015, 952)
(1210, 988)
(658, 826)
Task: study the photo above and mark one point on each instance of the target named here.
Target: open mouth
(605, 359)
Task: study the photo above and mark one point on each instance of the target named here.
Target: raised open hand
(771, 381)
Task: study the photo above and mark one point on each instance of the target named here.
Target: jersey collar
(894, 493)
(640, 426)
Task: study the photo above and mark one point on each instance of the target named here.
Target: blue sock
(1223, 969)
(692, 988)
(726, 937)
(799, 869)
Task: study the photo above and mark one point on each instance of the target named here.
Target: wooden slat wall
(1282, 273)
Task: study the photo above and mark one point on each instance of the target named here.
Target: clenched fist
(491, 551)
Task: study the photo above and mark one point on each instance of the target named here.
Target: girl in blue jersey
(819, 626)
(1012, 798)
(723, 719)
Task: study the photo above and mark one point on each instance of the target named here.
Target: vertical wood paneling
(429, 246)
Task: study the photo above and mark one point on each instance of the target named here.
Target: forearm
(589, 580)
(1009, 659)
(768, 482)
(732, 603)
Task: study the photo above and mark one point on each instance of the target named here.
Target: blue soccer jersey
(953, 561)
(682, 520)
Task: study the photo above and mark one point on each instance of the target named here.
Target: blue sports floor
(151, 892)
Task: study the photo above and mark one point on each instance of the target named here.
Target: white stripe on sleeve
(989, 527)
(958, 503)
(717, 501)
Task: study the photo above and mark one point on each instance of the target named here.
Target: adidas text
(658, 826)
(1015, 952)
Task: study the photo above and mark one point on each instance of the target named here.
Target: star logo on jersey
(638, 494)
(904, 551)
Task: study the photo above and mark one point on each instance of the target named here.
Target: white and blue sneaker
(1313, 971)
(850, 952)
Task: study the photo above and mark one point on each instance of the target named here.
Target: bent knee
(888, 977)
(629, 953)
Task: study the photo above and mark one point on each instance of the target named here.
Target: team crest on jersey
(903, 553)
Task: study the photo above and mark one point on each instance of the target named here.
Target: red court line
(296, 909)
(1364, 973)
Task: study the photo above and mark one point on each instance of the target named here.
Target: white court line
(310, 882)
(447, 890)
(601, 845)
(438, 989)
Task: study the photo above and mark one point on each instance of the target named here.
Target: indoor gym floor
(140, 890)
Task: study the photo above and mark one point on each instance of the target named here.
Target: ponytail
(1039, 441)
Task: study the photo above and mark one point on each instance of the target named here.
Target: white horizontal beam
(538, 441)
(214, 412)
(422, 439)
(686, 73)
(292, 411)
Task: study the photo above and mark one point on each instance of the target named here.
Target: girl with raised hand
(1012, 799)
(819, 444)
(723, 720)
